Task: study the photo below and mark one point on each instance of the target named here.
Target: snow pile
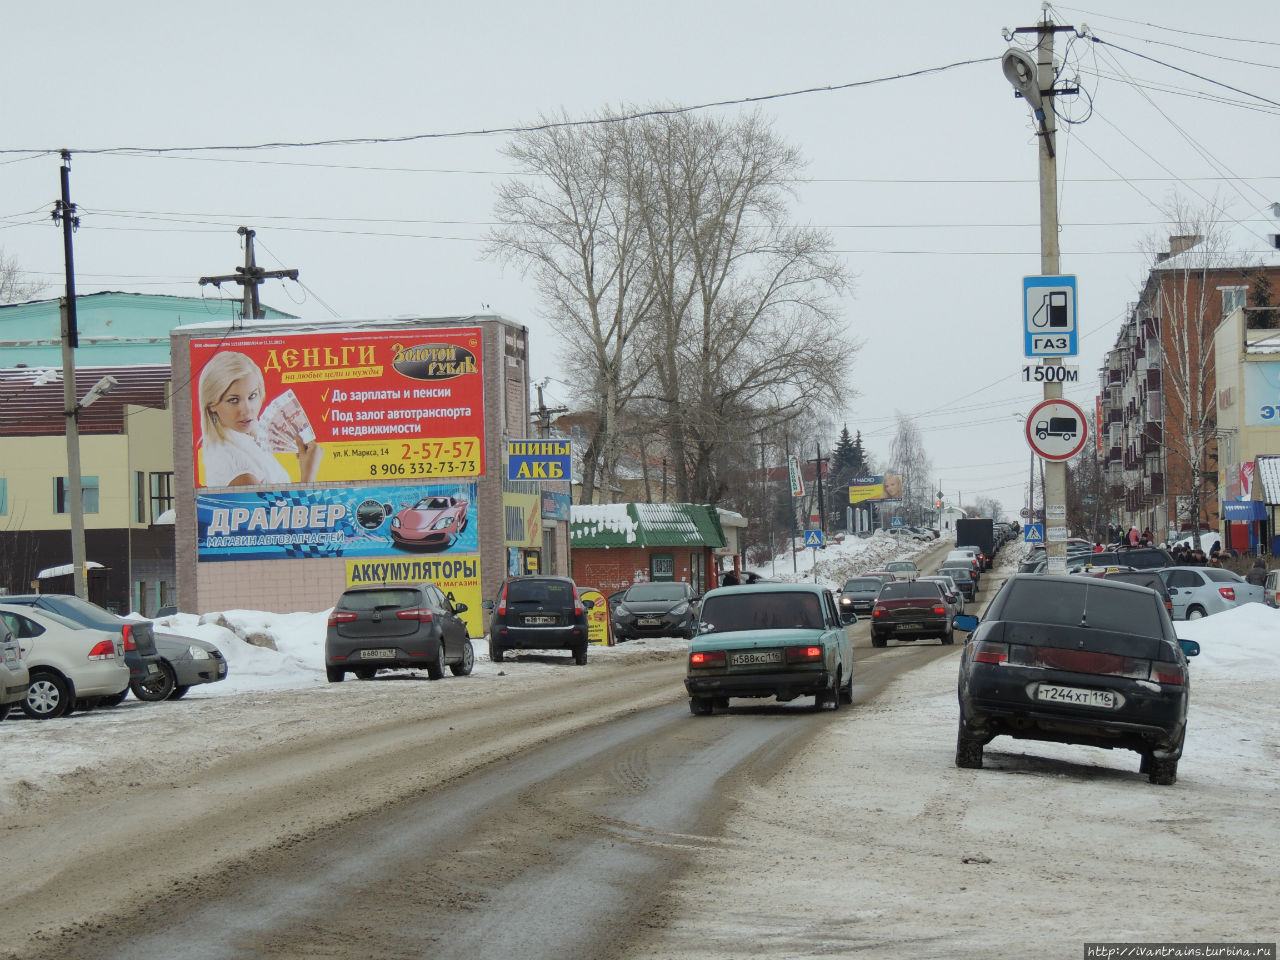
(1243, 643)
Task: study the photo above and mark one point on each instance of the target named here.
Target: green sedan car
(781, 640)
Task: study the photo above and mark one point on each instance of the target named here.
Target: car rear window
(655, 591)
(910, 588)
(1222, 576)
(867, 583)
(539, 591)
(379, 599)
(762, 611)
(1089, 603)
(957, 573)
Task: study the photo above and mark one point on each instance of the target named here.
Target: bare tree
(908, 459)
(1181, 296)
(743, 323)
(15, 286)
(571, 222)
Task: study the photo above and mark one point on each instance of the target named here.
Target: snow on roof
(1268, 473)
(66, 569)
(598, 518)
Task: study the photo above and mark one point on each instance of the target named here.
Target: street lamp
(75, 493)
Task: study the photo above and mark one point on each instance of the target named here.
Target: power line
(507, 131)
(1158, 26)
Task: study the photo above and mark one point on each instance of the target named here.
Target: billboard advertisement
(374, 521)
(1261, 393)
(458, 577)
(353, 405)
(866, 488)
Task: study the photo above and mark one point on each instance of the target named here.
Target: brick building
(618, 544)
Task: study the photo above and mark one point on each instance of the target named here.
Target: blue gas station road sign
(1049, 325)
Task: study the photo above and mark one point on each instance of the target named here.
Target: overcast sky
(927, 184)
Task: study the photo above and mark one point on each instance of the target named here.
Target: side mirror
(966, 622)
(486, 605)
(459, 608)
(588, 604)
(1189, 648)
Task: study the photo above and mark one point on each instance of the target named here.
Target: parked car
(138, 636)
(964, 578)
(184, 663)
(781, 640)
(538, 613)
(656, 610)
(951, 591)
(907, 534)
(1075, 660)
(411, 626)
(68, 664)
(903, 569)
(1140, 558)
(432, 522)
(911, 610)
(14, 677)
(858, 595)
(1203, 591)
(1144, 578)
(1271, 589)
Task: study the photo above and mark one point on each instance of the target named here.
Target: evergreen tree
(842, 459)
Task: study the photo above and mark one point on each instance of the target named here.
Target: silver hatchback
(1203, 591)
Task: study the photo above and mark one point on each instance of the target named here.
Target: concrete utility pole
(1040, 98)
(64, 213)
(543, 413)
(250, 276)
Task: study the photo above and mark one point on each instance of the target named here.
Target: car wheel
(335, 674)
(155, 688)
(495, 652)
(366, 673)
(721, 702)
(179, 692)
(48, 696)
(949, 638)
(846, 692)
(1163, 773)
(464, 666)
(968, 750)
(701, 706)
(4, 710)
(580, 655)
(435, 669)
(114, 700)
(1195, 613)
(879, 641)
(833, 695)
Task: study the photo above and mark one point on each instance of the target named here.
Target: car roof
(774, 587)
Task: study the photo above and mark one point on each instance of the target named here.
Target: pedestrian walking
(1258, 572)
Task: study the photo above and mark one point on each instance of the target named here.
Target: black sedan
(1071, 659)
(858, 595)
(656, 610)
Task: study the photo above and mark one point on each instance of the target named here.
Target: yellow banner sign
(457, 577)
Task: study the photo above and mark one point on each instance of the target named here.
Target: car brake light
(103, 650)
(577, 603)
(129, 642)
(421, 614)
(708, 658)
(341, 616)
(1167, 673)
(1228, 593)
(878, 611)
(803, 654)
(939, 610)
(987, 652)
(502, 604)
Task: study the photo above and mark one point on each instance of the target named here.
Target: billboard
(866, 488)
(339, 406)
(457, 577)
(377, 521)
(1261, 393)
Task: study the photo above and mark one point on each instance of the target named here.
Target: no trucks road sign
(1056, 429)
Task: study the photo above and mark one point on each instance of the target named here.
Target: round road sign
(1057, 429)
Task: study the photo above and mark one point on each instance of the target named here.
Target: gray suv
(411, 626)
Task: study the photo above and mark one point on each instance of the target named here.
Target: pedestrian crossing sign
(1033, 533)
(813, 538)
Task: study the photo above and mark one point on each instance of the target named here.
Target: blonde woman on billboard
(234, 444)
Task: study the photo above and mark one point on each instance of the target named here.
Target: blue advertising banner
(555, 506)
(1261, 393)
(435, 518)
(538, 460)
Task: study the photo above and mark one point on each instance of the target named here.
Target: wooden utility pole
(250, 276)
(818, 463)
(543, 413)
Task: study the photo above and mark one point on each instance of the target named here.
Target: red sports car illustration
(433, 522)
